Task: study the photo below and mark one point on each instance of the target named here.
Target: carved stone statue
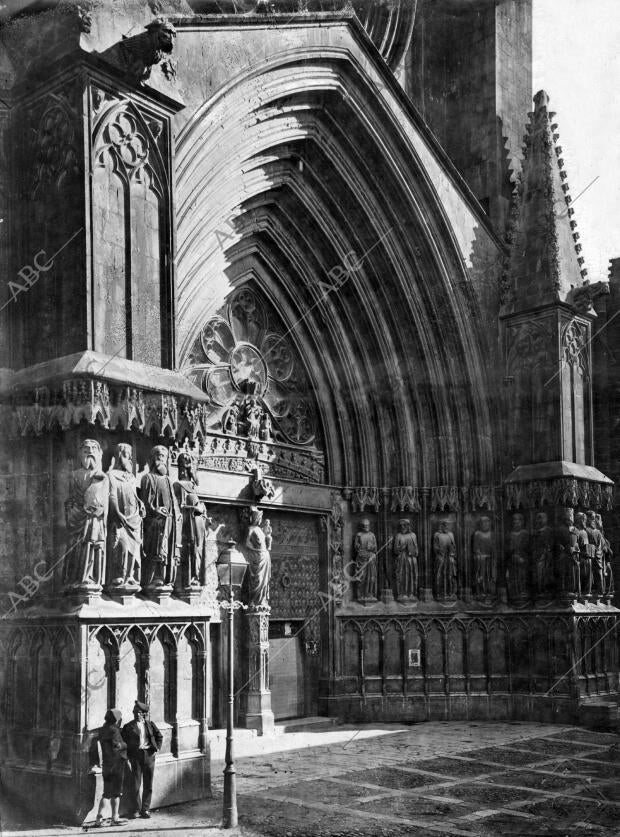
(518, 559)
(124, 521)
(485, 568)
(195, 523)
(260, 485)
(608, 574)
(230, 420)
(586, 554)
(259, 562)
(268, 530)
(444, 552)
(265, 432)
(162, 524)
(542, 554)
(597, 545)
(405, 551)
(86, 511)
(568, 554)
(253, 414)
(365, 548)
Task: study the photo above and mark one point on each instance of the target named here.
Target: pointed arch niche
(130, 231)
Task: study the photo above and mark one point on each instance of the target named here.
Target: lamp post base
(229, 813)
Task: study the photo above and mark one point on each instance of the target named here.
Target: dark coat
(113, 749)
(131, 734)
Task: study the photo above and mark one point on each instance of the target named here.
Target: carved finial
(541, 99)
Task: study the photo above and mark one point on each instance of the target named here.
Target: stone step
(315, 723)
(599, 714)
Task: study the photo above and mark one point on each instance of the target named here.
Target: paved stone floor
(470, 779)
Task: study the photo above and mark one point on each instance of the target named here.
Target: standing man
(143, 741)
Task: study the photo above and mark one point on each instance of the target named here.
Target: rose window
(243, 359)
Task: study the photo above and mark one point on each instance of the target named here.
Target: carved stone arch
(457, 634)
(166, 635)
(476, 622)
(45, 678)
(499, 650)
(330, 333)
(575, 346)
(163, 675)
(192, 674)
(194, 634)
(353, 624)
(374, 625)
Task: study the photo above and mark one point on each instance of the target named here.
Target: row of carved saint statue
(114, 524)
(574, 561)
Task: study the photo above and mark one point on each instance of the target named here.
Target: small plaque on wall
(413, 658)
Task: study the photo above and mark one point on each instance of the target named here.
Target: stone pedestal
(257, 713)
(101, 655)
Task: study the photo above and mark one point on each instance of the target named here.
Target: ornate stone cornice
(563, 491)
(407, 498)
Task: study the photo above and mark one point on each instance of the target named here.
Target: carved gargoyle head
(162, 34)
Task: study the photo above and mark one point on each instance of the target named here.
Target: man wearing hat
(143, 741)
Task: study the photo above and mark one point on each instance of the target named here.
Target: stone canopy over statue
(162, 524)
(86, 511)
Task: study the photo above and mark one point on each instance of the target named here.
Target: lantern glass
(231, 567)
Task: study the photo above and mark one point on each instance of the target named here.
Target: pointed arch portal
(296, 183)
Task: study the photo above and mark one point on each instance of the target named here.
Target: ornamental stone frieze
(408, 499)
(565, 491)
(405, 498)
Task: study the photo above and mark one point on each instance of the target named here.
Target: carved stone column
(385, 549)
(257, 713)
(426, 583)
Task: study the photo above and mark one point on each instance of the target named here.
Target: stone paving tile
(589, 736)
(509, 755)
(610, 754)
(392, 777)
(505, 824)
(326, 791)
(589, 767)
(452, 767)
(541, 781)
(484, 795)
(556, 748)
(570, 810)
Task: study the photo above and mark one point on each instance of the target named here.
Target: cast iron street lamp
(231, 567)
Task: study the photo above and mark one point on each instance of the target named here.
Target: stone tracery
(245, 362)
